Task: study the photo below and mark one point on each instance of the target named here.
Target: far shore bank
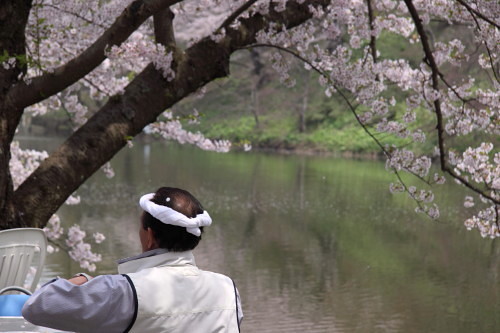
(261, 148)
(320, 152)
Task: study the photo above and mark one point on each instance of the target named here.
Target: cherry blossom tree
(139, 58)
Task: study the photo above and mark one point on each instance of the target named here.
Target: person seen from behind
(160, 290)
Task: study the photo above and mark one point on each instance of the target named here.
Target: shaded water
(314, 244)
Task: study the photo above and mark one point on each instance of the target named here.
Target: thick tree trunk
(6, 189)
(7, 130)
(13, 19)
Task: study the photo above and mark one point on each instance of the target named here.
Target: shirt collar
(155, 258)
(146, 254)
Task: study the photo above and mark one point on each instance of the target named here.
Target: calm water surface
(314, 244)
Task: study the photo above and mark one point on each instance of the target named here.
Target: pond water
(314, 244)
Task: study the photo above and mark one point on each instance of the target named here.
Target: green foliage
(349, 138)
(22, 59)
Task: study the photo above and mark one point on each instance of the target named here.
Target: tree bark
(13, 18)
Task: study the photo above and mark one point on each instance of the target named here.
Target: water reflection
(314, 244)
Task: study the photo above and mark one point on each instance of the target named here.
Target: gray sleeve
(104, 304)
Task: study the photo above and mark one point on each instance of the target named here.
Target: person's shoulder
(216, 275)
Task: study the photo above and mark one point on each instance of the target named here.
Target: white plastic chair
(17, 251)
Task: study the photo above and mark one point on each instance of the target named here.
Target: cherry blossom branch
(465, 100)
(59, 244)
(437, 104)
(236, 13)
(472, 12)
(491, 63)
(89, 82)
(466, 183)
(352, 108)
(476, 12)
(412, 195)
(66, 111)
(435, 81)
(23, 95)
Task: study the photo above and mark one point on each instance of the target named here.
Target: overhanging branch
(437, 103)
(123, 116)
(473, 14)
(478, 13)
(236, 13)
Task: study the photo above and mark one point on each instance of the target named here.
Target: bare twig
(236, 13)
(478, 13)
(465, 100)
(96, 87)
(437, 103)
(491, 62)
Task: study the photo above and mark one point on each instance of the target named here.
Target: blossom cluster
(137, 52)
(23, 162)
(475, 163)
(484, 222)
(172, 129)
(76, 244)
(81, 251)
(404, 159)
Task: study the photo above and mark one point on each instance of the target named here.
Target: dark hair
(172, 237)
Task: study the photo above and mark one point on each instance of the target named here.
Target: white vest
(173, 295)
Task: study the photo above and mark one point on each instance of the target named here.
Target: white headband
(169, 216)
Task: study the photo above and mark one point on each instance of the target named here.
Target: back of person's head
(171, 237)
